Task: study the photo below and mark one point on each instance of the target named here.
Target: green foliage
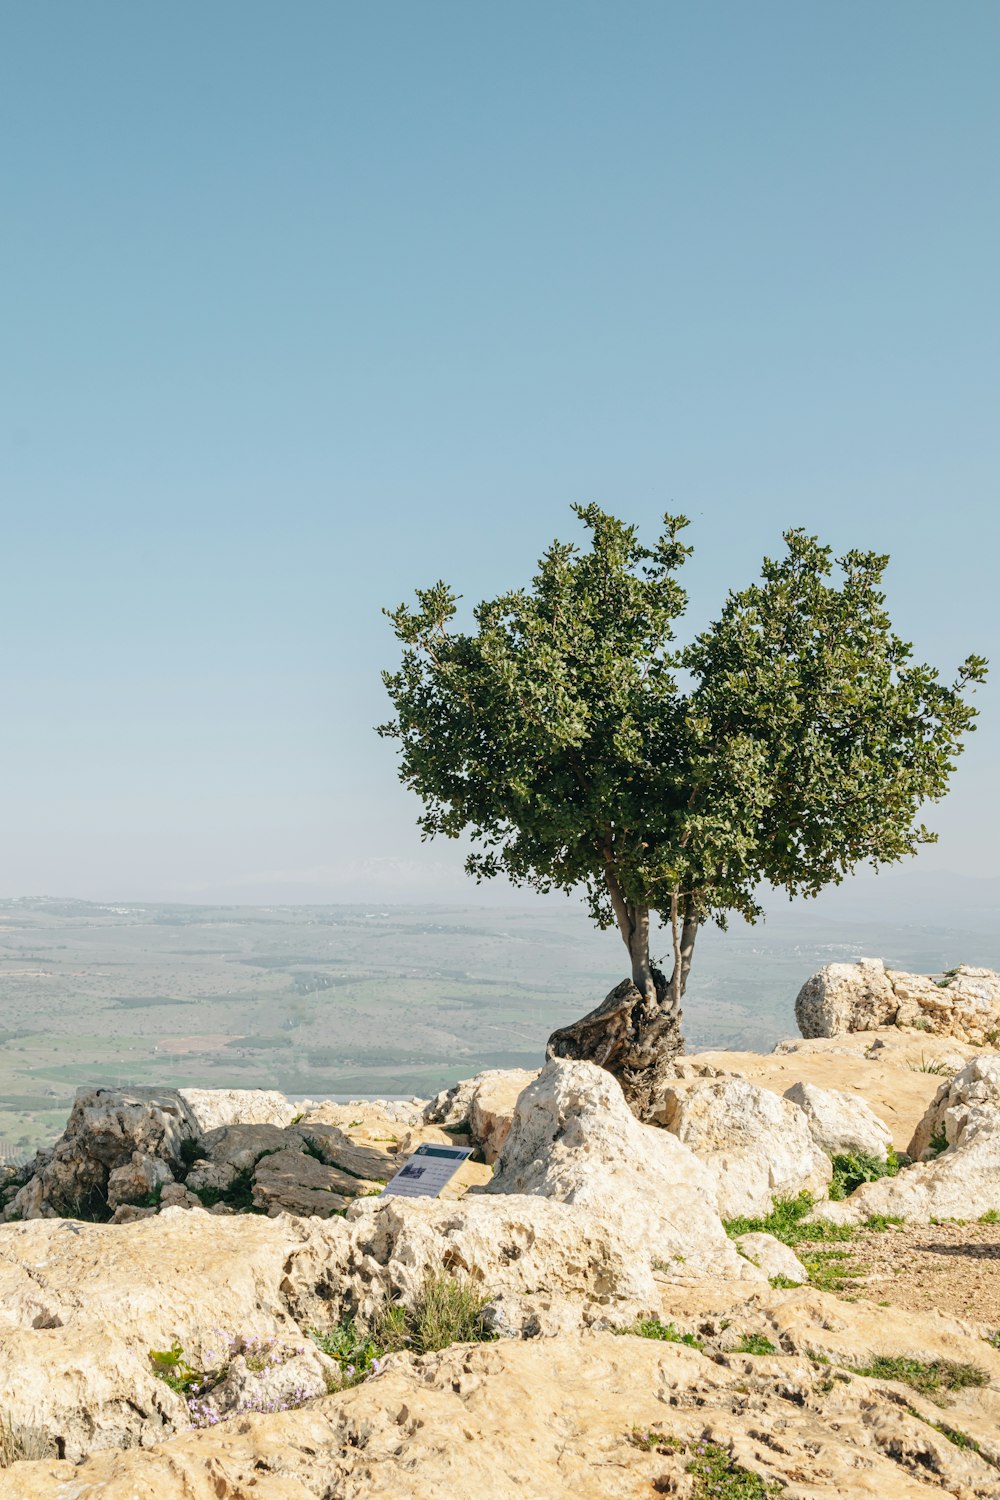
(856, 1167)
(717, 1476)
(782, 1283)
(784, 1222)
(830, 1270)
(715, 1473)
(238, 1195)
(173, 1369)
(938, 1141)
(356, 1353)
(652, 1328)
(990, 1217)
(579, 748)
(190, 1152)
(927, 1378)
(878, 1222)
(755, 1343)
(449, 1310)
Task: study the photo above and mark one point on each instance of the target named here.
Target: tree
(582, 750)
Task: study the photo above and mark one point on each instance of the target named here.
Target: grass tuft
(21, 1441)
(755, 1343)
(652, 1328)
(927, 1378)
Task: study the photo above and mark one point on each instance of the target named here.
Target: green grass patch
(927, 1378)
(755, 1343)
(784, 1222)
(830, 1270)
(238, 1195)
(715, 1473)
(652, 1328)
(449, 1310)
(879, 1222)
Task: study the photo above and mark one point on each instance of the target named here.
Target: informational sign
(427, 1171)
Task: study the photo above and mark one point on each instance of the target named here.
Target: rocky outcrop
(574, 1139)
(584, 1417)
(841, 1124)
(756, 1145)
(964, 1004)
(961, 1108)
(959, 1137)
(484, 1106)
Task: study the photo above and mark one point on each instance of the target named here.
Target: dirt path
(951, 1268)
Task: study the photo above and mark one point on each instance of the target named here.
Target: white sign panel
(428, 1170)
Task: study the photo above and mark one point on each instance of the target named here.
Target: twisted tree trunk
(635, 1033)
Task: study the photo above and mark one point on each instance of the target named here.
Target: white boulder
(841, 1124)
(574, 1138)
(842, 998)
(773, 1257)
(756, 1145)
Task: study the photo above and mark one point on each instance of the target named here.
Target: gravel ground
(954, 1268)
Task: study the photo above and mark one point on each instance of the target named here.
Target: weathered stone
(756, 1145)
(210, 1108)
(773, 1257)
(861, 997)
(846, 997)
(965, 1105)
(137, 1179)
(291, 1182)
(841, 1124)
(485, 1104)
(574, 1138)
(558, 1418)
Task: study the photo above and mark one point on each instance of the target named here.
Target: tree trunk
(635, 1033)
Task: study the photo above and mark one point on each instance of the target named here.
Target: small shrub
(449, 1310)
(190, 1152)
(652, 1328)
(173, 1369)
(21, 1441)
(854, 1168)
(928, 1378)
(717, 1476)
(355, 1352)
(238, 1195)
(652, 1440)
(782, 1283)
(990, 1217)
(754, 1343)
(938, 1142)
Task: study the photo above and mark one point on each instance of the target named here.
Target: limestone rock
(291, 1182)
(485, 1104)
(839, 1123)
(136, 1179)
(556, 1418)
(968, 1103)
(864, 996)
(846, 997)
(756, 1145)
(210, 1108)
(773, 1257)
(574, 1138)
(963, 1180)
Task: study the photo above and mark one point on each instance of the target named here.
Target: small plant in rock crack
(20, 1441)
(755, 1343)
(938, 1142)
(851, 1169)
(652, 1440)
(173, 1369)
(652, 1328)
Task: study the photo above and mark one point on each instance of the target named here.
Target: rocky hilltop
(785, 1284)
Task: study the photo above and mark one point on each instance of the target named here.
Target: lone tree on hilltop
(581, 749)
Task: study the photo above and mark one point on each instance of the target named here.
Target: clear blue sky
(305, 305)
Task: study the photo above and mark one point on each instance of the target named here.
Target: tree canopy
(581, 748)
